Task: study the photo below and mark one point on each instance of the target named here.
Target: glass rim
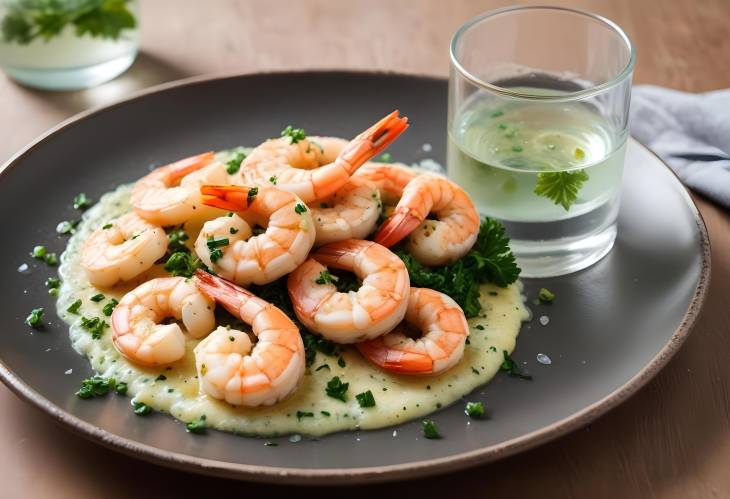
(586, 92)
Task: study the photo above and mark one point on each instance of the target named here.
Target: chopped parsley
(233, 230)
(213, 243)
(96, 386)
(39, 252)
(325, 278)
(234, 164)
(53, 282)
(325, 413)
(81, 202)
(67, 226)
(34, 318)
(252, 193)
(489, 260)
(121, 388)
(323, 366)
(161, 377)
(302, 414)
(479, 327)
(107, 226)
(545, 296)
(511, 367)
(74, 307)
(95, 326)
(216, 255)
(197, 426)
(314, 344)
(272, 179)
(341, 361)
(337, 389)
(97, 297)
(293, 135)
(561, 187)
(429, 429)
(386, 158)
(141, 409)
(474, 410)
(365, 399)
(183, 263)
(176, 238)
(51, 259)
(300, 208)
(109, 307)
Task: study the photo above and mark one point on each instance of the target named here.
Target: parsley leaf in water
(561, 187)
(490, 260)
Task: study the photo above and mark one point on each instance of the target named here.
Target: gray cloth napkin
(691, 132)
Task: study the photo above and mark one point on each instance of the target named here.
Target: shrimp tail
(221, 291)
(372, 141)
(228, 197)
(339, 255)
(395, 361)
(181, 168)
(398, 226)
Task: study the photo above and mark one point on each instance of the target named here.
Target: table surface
(671, 440)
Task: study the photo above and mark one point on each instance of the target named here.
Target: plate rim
(371, 474)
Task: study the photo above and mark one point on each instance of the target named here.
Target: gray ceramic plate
(612, 327)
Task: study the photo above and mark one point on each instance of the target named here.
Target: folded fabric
(690, 132)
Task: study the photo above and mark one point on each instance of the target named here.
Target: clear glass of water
(537, 124)
(67, 44)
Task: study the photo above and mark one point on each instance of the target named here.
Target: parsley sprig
(561, 187)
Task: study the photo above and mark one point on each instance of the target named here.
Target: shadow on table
(147, 70)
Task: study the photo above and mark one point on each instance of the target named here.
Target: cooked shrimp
(432, 242)
(315, 169)
(444, 330)
(136, 330)
(351, 213)
(158, 197)
(215, 173)
(374, 309)
(263, 258)
(390, 179)
(121, 250)
(230, 368)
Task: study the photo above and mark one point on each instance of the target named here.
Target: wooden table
(672, 439)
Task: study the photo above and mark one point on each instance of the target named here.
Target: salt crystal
(395, 433)
(295, 438)
(69, 371)
(544, 319)
(23, 268)
(427, 147)
(544, 359)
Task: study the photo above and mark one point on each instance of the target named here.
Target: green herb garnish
(302, 414)
(325, 278)
(545, 296)
(34, 318)
(97, 297)
(386, 158)
(121, 388)
(67, 226)
(561, 187)
(272, 179)
(197, 426)
(474, 410)
(96, 386)
(365, 399)
(293, 135)
(109, 307)
(429, 429)
(300, 208)
(51, 259)
(161, 377)
(39, 252)
(233, 230)
(176, 238)
(216, 255)
(337, 389)
(53, 282)
(183, 264)
(511, 367)
(325, 413)
(74, 307)
(323, 366)
(81, 202)
(28, 20)
(107, 226)
(341, 361)
(252, 192)
(95, 326)
(490, 260)
(234, 164)
(141, 409)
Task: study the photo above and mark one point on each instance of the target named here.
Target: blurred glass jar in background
(67, 44)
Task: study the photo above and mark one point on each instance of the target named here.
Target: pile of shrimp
(297, 207)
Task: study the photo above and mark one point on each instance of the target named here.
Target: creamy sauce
(398, 398)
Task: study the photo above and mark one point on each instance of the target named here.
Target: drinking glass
(67, 44)
(537, 124)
